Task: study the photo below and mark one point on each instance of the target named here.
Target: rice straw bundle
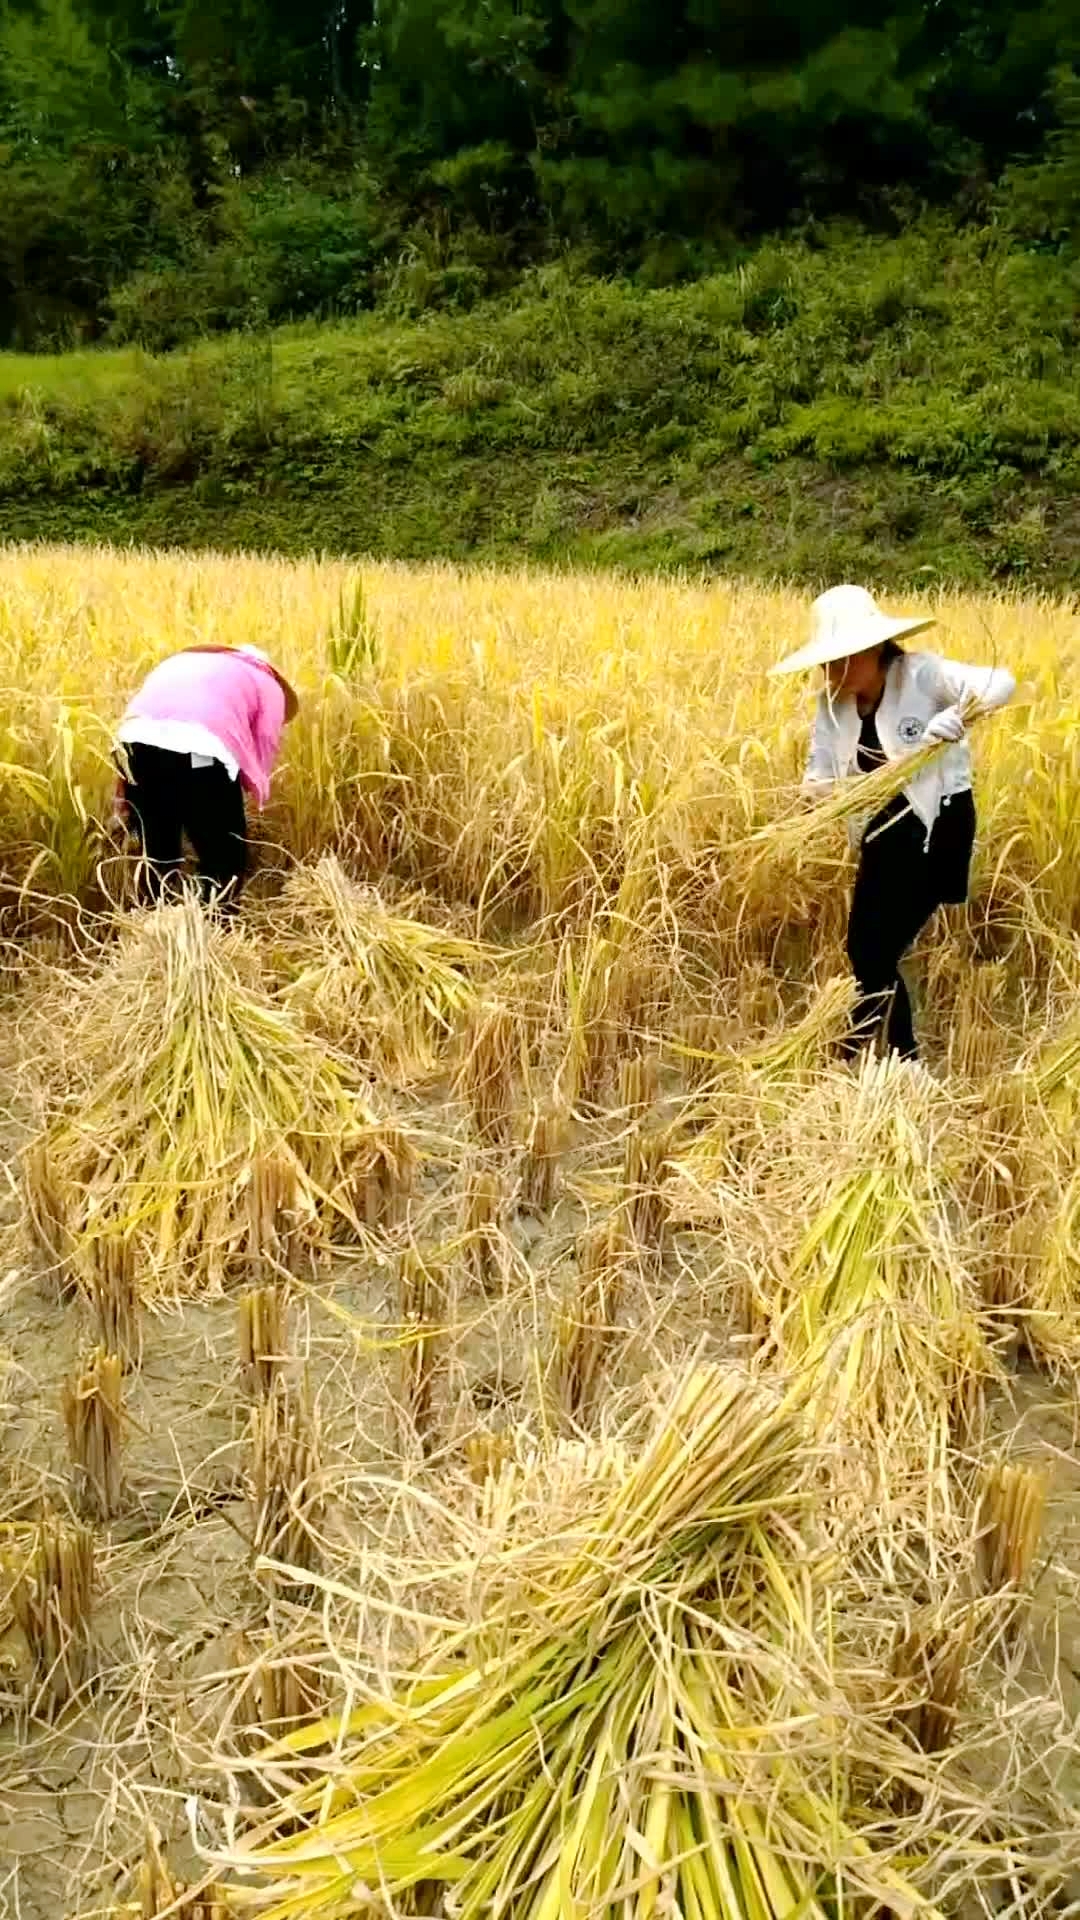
(641, 1722)
(874, 1301)
(385, 985)
(185, 1075)
(861, 796)
(747, 1092)
(1048, 1249)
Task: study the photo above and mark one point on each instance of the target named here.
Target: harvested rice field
(496, 1418)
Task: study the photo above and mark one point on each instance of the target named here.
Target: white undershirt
(180, 736)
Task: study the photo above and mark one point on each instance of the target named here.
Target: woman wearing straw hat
(205, 724)
(877, 704)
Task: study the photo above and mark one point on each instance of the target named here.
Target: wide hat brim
(292, 701)
(842, 643)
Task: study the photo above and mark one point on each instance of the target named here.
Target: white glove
(947, 725)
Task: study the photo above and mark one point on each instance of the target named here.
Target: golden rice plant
(590, 1733)
(93, 1405)
(186, 1075)
(1010, 1524)
(265, 1351)
(288, 1485)
(53, 1598)
(386, 985)
(488, 1072)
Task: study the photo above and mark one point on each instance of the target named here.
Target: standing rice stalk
(46, 1212)
(288, 1493)
(545, 1144)
(481, 1223)
(638, 1083)
(265, 1352)
(487, 1075)
(282, 1689)
(586, 1325)
(53, 1600)
(486, 1454)
(114, 1292)
(930, 1661)
(272, 1206)
(646, 1157)
(94, 1420)
(1010, 1525)
(1046, 1250)
(419, 1293)
(383, 1170)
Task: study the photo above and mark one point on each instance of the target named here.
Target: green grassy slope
(879, 406)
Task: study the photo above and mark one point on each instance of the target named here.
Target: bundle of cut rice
(184, 1076)
(875, 1303)
(643, 1720)
(384, 984)
(748, 1092)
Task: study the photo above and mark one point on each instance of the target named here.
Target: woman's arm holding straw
(860, 794)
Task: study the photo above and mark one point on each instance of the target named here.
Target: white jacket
(917, 686)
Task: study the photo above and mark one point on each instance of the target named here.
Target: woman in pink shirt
(205, 724)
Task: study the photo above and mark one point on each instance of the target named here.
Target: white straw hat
(844, 621)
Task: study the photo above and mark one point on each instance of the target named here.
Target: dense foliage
(172, 166)
(873, 406)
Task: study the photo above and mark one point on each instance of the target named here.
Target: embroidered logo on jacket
(911, 728)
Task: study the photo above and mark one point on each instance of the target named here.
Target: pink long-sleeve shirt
(229, 695)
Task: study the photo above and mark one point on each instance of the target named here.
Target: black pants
(167, 798)
(900, 884)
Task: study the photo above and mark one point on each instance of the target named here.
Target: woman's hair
(891, 650)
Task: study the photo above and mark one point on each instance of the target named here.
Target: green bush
(879, 386)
